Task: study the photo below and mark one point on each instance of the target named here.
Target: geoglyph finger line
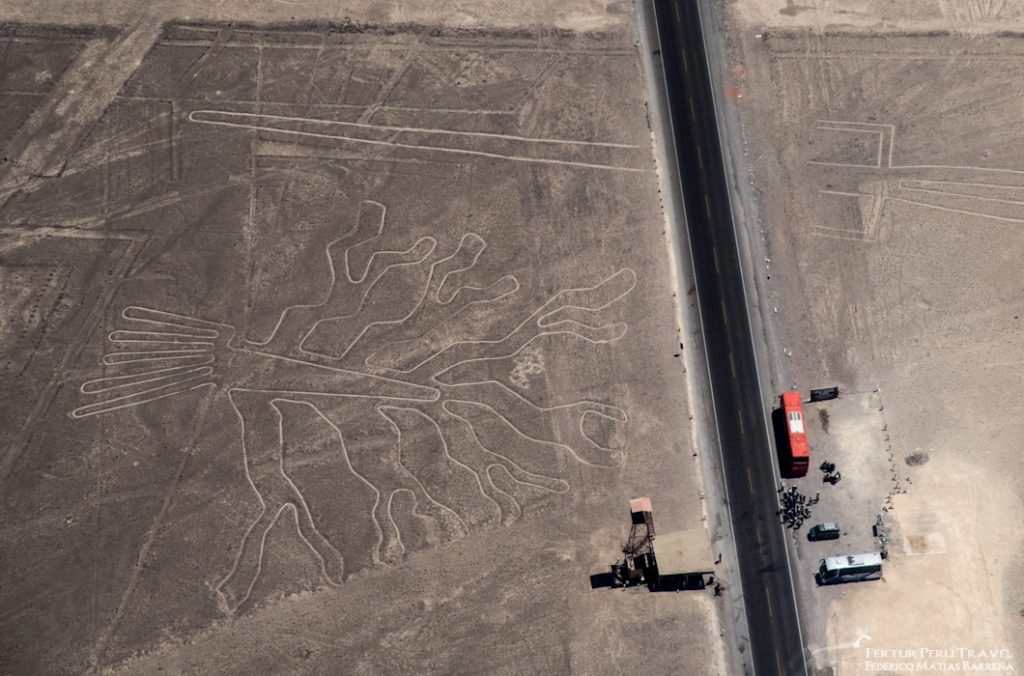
(182, 365)
(125, 335)
(456, 428)
(163, 345)
(114, 358)
(117, 382)
(104, 407)
(179, 379)
(199, 327)
(607, 333)
(330, 287)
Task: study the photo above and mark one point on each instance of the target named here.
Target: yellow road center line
(768, 597)
(750, 480)
(679, 19)
(686, 65)
(778, 663)
(732, 367)
(739, 416)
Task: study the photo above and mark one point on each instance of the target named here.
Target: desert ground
(877, 152)
(334, 342)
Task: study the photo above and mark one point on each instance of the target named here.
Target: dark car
(823, 531)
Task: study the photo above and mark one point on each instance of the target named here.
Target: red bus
(797, 456)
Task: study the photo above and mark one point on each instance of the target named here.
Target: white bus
(852, 568)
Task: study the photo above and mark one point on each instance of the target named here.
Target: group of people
(831, 475)
(795, 507)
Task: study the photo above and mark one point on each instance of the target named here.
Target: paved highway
(776, 643)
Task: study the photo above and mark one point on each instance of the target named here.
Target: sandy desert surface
(334, 347)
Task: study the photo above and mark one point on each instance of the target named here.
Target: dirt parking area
(883, 201)
(334, 349)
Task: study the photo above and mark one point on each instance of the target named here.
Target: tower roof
(637, 505)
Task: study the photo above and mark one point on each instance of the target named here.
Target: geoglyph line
(285, 504)
(887, 136)
(505, 458)
(1005, 219)
(915, 191)
(104, 407)
(390, 129)
(345, 258)
(613, 412)
(382, 410)
(405, 146)
(348, 465)
(621, 417)
(514, 479)
(116, 382)
(447, 452)
(175, 353)
(953, 193)
(362, 304)
(539, 313)
(369, 361)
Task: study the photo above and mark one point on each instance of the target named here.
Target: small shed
(683, 559)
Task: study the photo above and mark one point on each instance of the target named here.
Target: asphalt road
(776, 644)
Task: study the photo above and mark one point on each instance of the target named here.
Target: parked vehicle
(823, 531)
(851, 568)
(796, 456)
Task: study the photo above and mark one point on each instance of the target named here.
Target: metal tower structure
(639, 548)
